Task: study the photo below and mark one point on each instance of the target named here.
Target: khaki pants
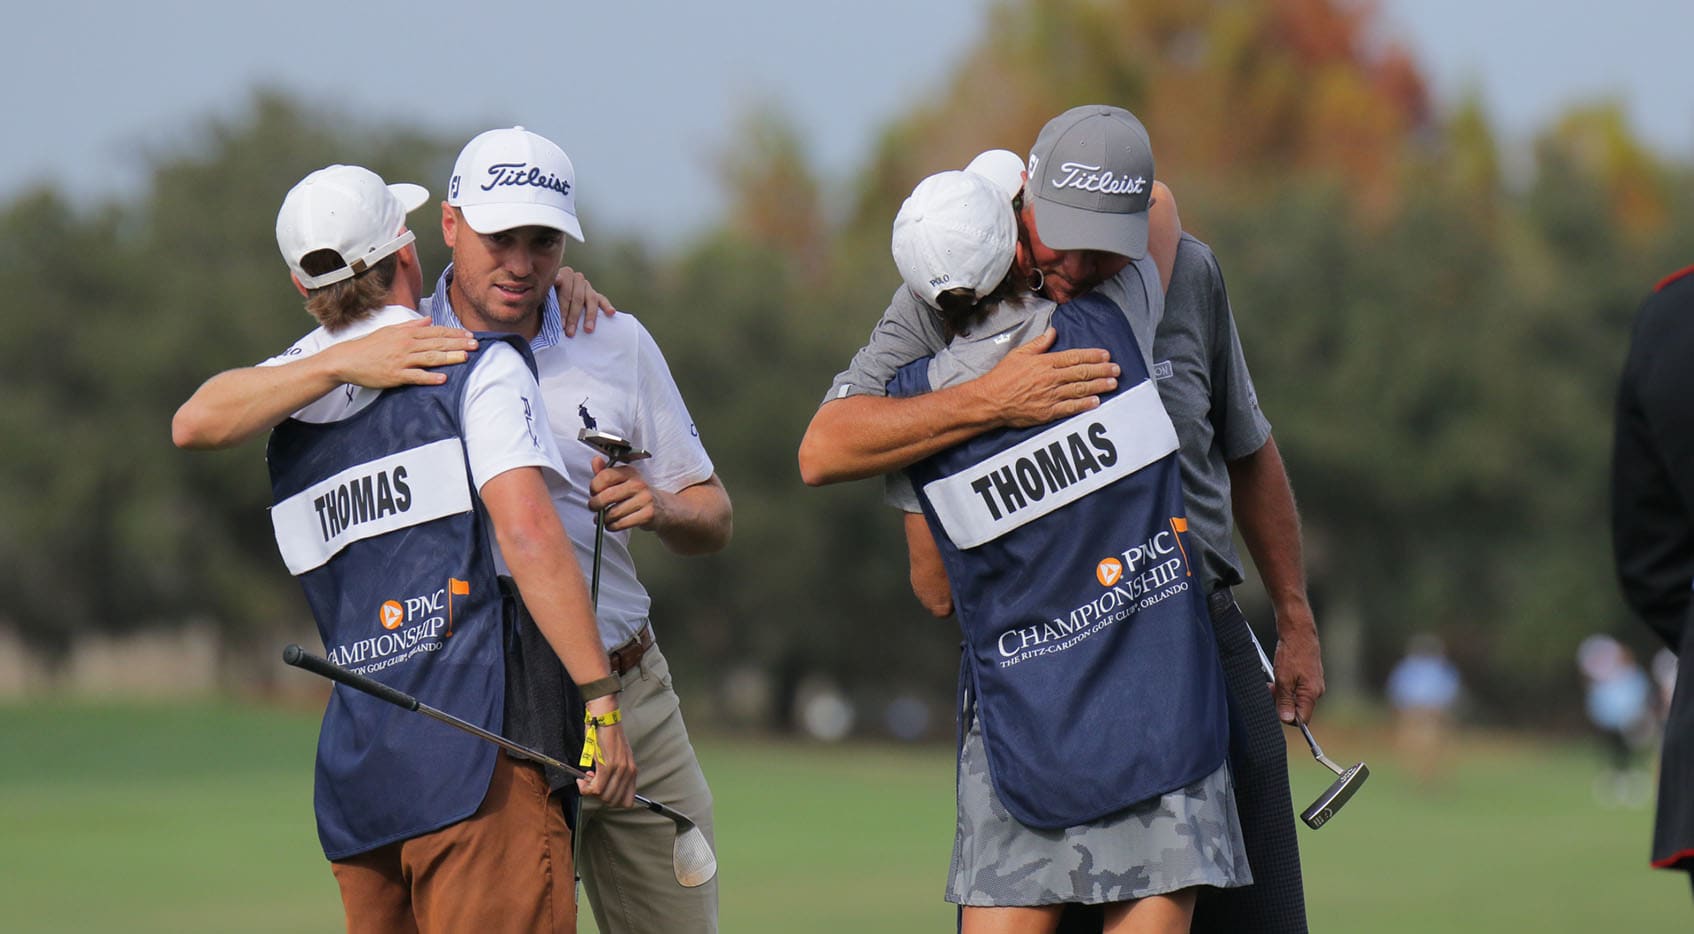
(506, 868)
(626, 865)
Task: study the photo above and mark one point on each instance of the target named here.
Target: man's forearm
(867, 436)
(863, 436)
(928, 573)
(544, 567)
(1264, 509)
(236, 405)
(696, 520)
(1270, 525)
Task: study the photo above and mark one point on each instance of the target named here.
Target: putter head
(1335, 796)
(616, 450)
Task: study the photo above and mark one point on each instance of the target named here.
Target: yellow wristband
(616, 716)
(591, 737)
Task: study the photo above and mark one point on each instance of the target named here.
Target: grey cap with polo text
(1090, 178)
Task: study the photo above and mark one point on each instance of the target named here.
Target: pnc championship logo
(1141, 576)
(1110, 571)
(394, 613)
(409, 627)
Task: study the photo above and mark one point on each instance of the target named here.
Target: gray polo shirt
(1207, 390)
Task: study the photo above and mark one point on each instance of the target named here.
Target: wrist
(610, 718)
(601, 706)
(325, 369)
(974, 405)
(1294, 620)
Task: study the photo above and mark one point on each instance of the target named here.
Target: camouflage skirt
(1186, 838)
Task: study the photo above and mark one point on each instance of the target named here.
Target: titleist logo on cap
(1084, 177)
(522, 173)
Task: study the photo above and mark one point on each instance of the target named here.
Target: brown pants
(505, 868)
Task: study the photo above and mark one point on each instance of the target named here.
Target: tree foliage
(1435, 339)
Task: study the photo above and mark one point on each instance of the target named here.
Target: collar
(1007, 315)
(440, 308)
(381, 318)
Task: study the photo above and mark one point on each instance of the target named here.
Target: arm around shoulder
(237, 405)
(863, 435)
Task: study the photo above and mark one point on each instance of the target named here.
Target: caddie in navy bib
(1088, 650)
(377, 516)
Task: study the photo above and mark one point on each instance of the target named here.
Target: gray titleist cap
(1091, 175)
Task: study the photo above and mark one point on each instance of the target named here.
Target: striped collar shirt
(440, 309)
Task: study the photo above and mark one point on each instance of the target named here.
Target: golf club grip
(300, 658)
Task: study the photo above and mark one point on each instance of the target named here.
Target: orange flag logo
(455, 588)
(1179, 524)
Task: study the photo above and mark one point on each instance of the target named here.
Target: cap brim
(1062, 227)
(1002, 167)
(493, 218)
(410, 196)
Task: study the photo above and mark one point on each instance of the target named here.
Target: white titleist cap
(956, 231)
(514, 178)
(1002, 167)
(349, 210)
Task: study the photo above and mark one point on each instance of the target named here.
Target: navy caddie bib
(1088, 649)
(378, 518)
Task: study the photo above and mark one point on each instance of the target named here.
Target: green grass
(198, 818)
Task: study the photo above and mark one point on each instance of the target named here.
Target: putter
(1347, 780)
(692, 858)
(617, 451)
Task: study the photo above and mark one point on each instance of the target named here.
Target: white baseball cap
(349, 210)
(956, 231)
(514, 178)
(1002, 167)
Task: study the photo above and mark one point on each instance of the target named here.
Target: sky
(645, 94)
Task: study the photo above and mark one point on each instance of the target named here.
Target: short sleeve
(898, 491)
(505, 419)
(907, 331)
(663, 424)
(1241, 426)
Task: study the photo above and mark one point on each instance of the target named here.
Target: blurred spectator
(1423, 688)
(1619, 700)
(1664, 676)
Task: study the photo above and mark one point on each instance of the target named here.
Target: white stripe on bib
(1054, 468)
(394, 492)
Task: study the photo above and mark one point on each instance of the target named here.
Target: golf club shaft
(1270, 674)
(1317, 752)
(599, 543)
(613, 459)
(300, 658)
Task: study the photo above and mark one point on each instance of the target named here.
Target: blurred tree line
(1435, 336)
